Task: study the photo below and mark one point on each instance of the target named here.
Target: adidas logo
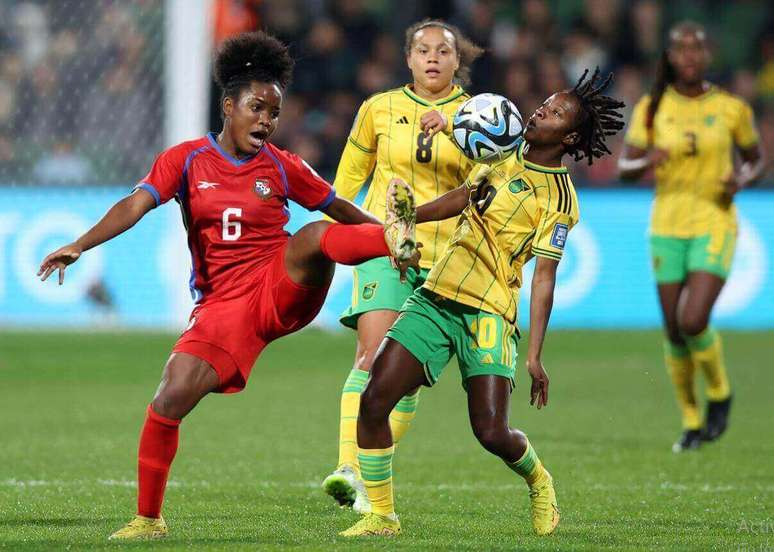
(402, 121)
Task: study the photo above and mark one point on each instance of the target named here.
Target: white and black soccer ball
(487, 128)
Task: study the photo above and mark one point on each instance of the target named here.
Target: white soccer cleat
(347, 489)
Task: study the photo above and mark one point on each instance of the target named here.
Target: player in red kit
(252, 282)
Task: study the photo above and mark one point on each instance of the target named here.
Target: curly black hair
(250, 57)
(598, 117)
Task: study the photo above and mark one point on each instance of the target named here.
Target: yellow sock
(402, 415)
(707, 354)
(682, 370)
(529, 466)
(376, 471)
(350, 404)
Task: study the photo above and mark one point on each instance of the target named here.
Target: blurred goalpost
(187, 60)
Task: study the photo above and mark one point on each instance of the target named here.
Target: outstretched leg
(185, 381)
(488, 403)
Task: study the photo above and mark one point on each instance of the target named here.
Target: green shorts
(434, 328)
(675, 258)
(376, 285)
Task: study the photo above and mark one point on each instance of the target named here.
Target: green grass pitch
(248, 470)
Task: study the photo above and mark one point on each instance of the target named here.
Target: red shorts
(230, 334)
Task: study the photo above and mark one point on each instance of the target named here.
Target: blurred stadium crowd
(81, 81)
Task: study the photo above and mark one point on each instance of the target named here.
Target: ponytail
(665, 75)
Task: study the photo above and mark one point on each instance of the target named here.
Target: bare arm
(446, 206)
(749, 172)
(635, 162)
(119, 218)
(346, 212)
(541, 302)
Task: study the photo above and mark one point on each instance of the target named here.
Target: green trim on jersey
(433, 329)
(376, 286)
(358, 146)
(535, 166)
(408, 92)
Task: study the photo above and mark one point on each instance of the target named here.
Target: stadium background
(90, 91)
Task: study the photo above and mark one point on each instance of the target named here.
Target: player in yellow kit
(689, 130)
(387, 141)
(514, 210)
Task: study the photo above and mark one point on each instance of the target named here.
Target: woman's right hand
(433, 122)
(59, 260)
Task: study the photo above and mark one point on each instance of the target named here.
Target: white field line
(489, 487)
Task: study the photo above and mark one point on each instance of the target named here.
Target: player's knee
(491, 434)
(173, 401)
(693, 323)
(374, 407)
(365, 360)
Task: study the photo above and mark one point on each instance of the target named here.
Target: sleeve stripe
(542, 253)
(565, 181)
(546, 251)
(361, 148)
(148, 187)
(326, 202)
(560, 188)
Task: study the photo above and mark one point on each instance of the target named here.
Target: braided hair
(251, 57)
(665, 74)
(599, 117)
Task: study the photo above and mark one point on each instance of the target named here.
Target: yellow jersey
(700, 134)
(521, 211)
(386, 139)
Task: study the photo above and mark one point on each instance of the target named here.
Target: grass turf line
(249, 466)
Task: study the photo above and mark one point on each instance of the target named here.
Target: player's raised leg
(395, 372)
(706, 348)
(185, 381)
(312, 250)
(488, 404)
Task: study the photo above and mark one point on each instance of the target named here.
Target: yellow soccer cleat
(374, 524)
(142, 528)
(400, 220)
(346, 487)
(545, 512)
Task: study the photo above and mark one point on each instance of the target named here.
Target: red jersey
(234, 210)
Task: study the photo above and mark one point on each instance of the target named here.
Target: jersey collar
(455, 93)
(704, 95)
(227, 156)
(535, 166)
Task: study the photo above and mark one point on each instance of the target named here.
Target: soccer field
(248, 470)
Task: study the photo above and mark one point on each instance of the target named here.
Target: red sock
(158, 445)
(352, 244)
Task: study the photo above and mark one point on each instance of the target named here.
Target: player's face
(433, 59)
(552, 121)
(253, 116)
(689, 55)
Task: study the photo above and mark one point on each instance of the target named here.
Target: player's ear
(571, 138)
(228, 106)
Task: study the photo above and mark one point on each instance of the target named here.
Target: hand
(480, 176)
(59, 260)
(432, 123)
(657, 157)
(403, 266)
(539, 392)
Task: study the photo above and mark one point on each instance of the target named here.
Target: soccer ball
(487, 128)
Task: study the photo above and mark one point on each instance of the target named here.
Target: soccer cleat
(142, 528)
(400, 220)
(347, 489)
(545, 512)
(374, 524)
(717, 419)
(689, 440)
